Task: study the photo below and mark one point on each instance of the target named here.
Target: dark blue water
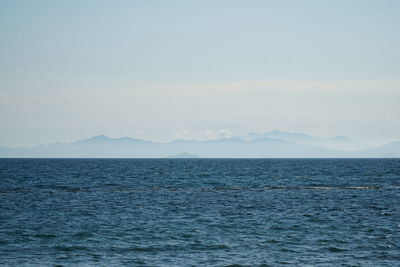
(171, 212)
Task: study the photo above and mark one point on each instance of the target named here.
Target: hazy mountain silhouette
(250, 146)
(102, 139)
(338, 142)
(184, 155)
(391, 150)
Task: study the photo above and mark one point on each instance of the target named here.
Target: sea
(200, 212)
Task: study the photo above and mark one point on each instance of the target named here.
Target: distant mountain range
(183, 155)
(276, 144)
(338, 142)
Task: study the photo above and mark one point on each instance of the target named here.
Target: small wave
(82, 235)
(208, 247)
(70, 248)
(194, 246)
(335, 249)
(44, 236)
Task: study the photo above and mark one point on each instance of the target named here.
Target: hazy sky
(198, 69)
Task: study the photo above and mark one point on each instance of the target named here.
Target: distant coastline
(183, 155)
(276, 144)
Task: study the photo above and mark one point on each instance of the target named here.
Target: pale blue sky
(161, 69)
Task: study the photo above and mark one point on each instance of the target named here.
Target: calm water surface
(200, 212)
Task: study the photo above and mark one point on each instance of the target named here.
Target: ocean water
(199, 212)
